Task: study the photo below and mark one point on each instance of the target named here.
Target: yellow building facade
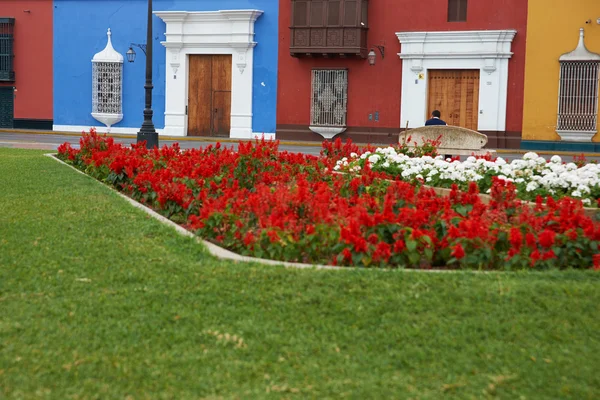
(553, 30)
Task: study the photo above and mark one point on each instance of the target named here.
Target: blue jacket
(435, 121)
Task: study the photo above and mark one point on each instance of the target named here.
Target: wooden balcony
(329, 28)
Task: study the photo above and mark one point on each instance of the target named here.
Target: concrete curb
(225, 254)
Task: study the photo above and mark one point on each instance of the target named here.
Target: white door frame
(209, 32)
(487, 51)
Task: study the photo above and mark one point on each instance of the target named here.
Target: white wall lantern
(107, 85)
(371, 57)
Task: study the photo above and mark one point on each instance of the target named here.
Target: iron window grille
(7, 73)
(578, 96)
(107, 89)
(329, 97)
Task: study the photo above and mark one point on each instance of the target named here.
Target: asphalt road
(51, 142)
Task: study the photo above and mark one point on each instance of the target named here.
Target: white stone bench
(455, 140)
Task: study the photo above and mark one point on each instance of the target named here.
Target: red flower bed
(285, 206)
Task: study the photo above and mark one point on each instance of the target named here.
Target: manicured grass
(99, 301)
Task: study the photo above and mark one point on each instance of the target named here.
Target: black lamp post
(147, 132)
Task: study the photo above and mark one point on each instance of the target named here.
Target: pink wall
(33, 56)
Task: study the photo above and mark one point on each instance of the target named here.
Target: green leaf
(411, 245)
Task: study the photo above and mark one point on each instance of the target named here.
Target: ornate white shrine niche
(107, 85)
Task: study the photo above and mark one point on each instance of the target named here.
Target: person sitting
(435, 119)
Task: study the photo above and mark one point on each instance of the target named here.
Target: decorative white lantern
(107, 85)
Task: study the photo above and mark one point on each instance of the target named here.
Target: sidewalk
(50, 140)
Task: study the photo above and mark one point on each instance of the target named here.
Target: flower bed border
(222, 253)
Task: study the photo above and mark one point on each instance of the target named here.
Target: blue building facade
(214, 65)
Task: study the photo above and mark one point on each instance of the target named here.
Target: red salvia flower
(458, 252)
(547, 238)
(516, 238)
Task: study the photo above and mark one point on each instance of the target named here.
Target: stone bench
(455, 140)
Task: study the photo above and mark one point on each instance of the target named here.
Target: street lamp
(131, 52)
(147, 132)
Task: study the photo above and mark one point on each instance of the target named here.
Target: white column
(241, 93)
(414, 96)
(176, 92)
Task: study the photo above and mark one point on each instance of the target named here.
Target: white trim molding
(99, 129)
(209, 32)
(487, 51)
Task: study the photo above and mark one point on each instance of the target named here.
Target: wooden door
(455, 93)
(7, 95)
(221, 95)
(209, 95)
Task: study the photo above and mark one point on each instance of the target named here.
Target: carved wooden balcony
(329, 28)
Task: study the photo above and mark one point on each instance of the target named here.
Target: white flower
(571, 166)
(531, 186)
(353, 155)
(532, 171)
(583, 189)
(374, 158)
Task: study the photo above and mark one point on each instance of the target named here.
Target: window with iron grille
(578, 98)
(329, 97)
(107, 87)
(457, 10)
(7, 73)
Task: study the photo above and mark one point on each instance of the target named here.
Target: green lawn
(100, 301)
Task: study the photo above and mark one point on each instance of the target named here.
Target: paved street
(51, 142)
